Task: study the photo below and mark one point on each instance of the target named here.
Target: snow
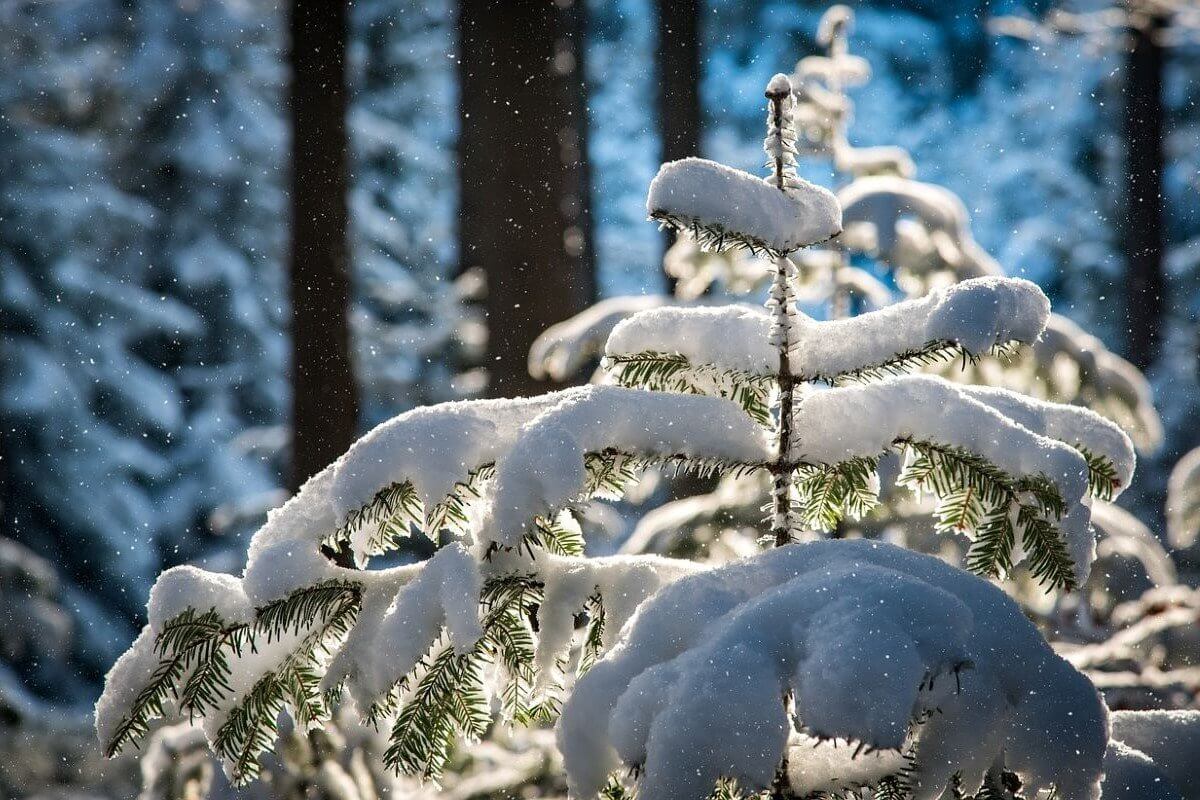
(976, 314)
(1132, 775)
(1171, 739)
(432, 447)
(779, 85)
(544, 470)
(737, 202)
(691, 691)
(883, 200)
(1183, 501)
(181, 588)
(733, 337)
(622, 582)
(1074, 425)
(828, 428)
(831, 766)
(124, 682)
(561, 350)
(384, 647)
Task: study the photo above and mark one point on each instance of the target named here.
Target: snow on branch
(1107, 448)
(1151, 756)
(968, 319)
(971, 318)
(997, 480)
(1183, 501)
(1099, 378)
(561, 350)
(722, 351)
(578, 447)
(411, 645)
(723, 207)
(868, 640)
(419, 470)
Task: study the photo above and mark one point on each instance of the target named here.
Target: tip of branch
(779, 87)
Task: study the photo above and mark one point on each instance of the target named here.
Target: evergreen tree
(724, 679)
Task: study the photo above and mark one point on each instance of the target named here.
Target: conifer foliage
(509, 612)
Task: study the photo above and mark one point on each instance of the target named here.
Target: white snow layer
(545, 469)
(692, 689)
(1170, 739)
(389, 638)
(829, 428)
(714, 195)
(732, 337)
(562, 349)
(976, 314)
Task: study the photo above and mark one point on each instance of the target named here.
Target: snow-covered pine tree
(732, 674)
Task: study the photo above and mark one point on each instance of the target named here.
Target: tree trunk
(523, 179)
(325, 397)
(1144, 229)
(678, 84)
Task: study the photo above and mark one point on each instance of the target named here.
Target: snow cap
(740, 205)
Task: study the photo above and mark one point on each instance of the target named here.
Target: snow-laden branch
(943, 239)
(547, 466)
(1103, 380)
(1082, 428)
(972, 317)
(409, 644)
(562, 349)
(1183, 501)
(722, 207)
(867, 638)
(948, 427)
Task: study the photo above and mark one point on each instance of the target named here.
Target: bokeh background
(193, 320)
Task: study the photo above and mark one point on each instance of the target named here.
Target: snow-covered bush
(509, 611)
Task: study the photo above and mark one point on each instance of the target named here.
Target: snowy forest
(621, 399)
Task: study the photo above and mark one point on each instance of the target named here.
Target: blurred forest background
(236, 233)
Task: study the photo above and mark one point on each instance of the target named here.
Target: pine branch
(672, 372)
(252, 724)
(1103, 482)
(594, 637)
(713, 237)
(991, 552)
(1049, 561)
(187, 644)
(980, 499)
(559, 536)
(449, 698)
(611, 471)
(828, 492)
(396, 512)
(929, 354)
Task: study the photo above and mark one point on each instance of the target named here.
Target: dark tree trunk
(325, 397)
(1144, 235)
(523, 178)
(678, 82)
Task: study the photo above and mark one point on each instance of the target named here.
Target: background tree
(1142, 30)
(324, 395)
(678, 84)
(523, 186)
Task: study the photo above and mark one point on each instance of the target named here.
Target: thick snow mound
(854, 629)
(743, 205)
(1169, 740)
